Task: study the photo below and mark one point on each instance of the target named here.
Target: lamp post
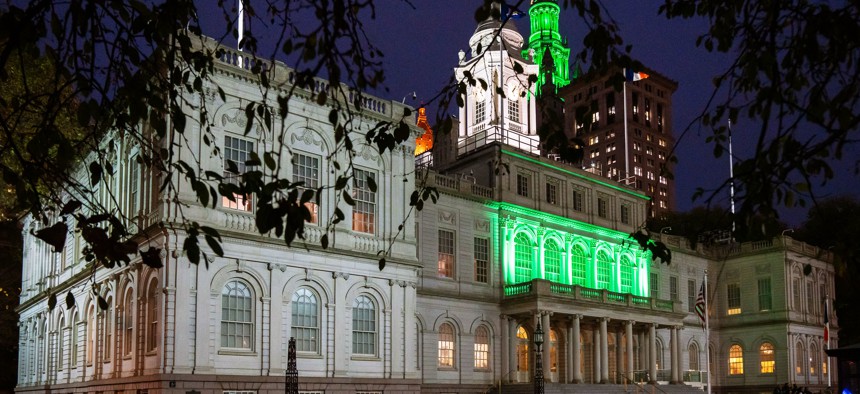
(538, 360)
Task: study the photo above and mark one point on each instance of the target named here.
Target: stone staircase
(559, 388)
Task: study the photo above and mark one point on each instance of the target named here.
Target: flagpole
(707, 335)
(241, 30)
(626, 144)
(827, 340)
(731, 179)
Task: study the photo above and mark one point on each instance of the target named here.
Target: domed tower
(486, 115)
(544, 16)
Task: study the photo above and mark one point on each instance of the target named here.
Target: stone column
(506, 335)
(629, 333)
(673, 350)
(604, 351)
(595, 346)
(643, 350)
(577, 349)
(619, 356)
(652, 353)
(547, 367)
(512, 349)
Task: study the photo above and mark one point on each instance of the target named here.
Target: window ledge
(365, 358)
(309, 355)
(446, 368)
(236, 352)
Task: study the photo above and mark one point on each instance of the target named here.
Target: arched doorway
(522, 355)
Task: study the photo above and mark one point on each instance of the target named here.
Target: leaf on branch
(70, 207)
(95, 173)
(54, 235)
(103, 304)
(70, 300)
(152, 257)
(52, 301)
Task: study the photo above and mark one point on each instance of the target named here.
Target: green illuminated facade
(544, 16)
(567, 251)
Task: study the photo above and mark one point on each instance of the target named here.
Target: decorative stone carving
(447, 217)
(482, 225)
(309, 137)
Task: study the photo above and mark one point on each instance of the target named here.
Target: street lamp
(538, 360)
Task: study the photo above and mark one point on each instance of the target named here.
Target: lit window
(661, 142)
(514, 110)
(480, 111)
(523, 258)
(306, 169)
(482, 348)
(736, 360)
(635, 99)
(553, 351)
(305, 320)
(626, 275)
(637, 170)
(446, 254)
(364, 211)
(237, 324)
(91, 334)
(446, 346)
(647, 112)
(594, 140)
(552, 261)
(610, 108)
(764, 298)
(577, 266)
(799, 357)
(604, 270)
(733, 298)
(522, 350)
(363, 326)
(236, 153)
(813, 359)
(765, 354)
(482, 260)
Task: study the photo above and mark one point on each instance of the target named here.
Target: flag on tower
(634, 76)
(510, 13)
(700, 304)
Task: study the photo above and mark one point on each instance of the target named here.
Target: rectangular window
(514, 110)
(306, 169)
(577, 200)
(795, 290)
(523, 185)
(691, 295)
(733, 298)
(610, 108)
(810, 298)
(480, 111)
(625, 214)
(134, 187)
(551, 193)
(601, 208)
(673, 288)
(236, 153)
(647, 112)
(654, 284)
(595, 114)
(446, 254)
(482, 260)
(764, 292)
(364, 211)
(660, 117)
(635, 100)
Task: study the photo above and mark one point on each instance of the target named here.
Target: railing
(528, 143)
(694, 376)
(577, 292)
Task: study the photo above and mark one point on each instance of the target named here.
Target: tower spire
(545, 40)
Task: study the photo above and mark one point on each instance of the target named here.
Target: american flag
(700, 303)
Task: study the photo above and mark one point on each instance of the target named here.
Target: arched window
(152, 316)
(736, 360)
(128, 322)
(107, 329)
(482, 348)
(660, 364)
(799, 357)
(522, 350)
(61, 343)
(446, 345)
(237, 321)
(766, 358)
(626, 275)
(694, 356)
(577, 265)
(91, 334)
(73, 342)
(363, 326)
(604, 270)
(552, 261)
(305, 318)
(523, 258)
(553, 351)
(813, 360)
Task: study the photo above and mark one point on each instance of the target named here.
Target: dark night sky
(420, 44)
